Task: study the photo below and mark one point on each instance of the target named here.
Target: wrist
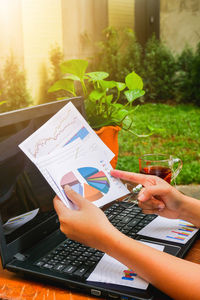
(190, 210)
(109, 239)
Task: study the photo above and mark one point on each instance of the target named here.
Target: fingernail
(141, 197)
(67, 188)
(161, 206)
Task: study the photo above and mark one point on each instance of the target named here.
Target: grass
(178, 133)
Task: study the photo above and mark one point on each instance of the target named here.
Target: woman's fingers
(59, 206)
(129, 176)
(76, 198)
(145, 180)
(152, 205)
(152, 191)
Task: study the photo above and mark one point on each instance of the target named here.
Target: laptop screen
(25, 196)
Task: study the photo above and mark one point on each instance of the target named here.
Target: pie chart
(97, 183)
(95, 178)
(71, 180)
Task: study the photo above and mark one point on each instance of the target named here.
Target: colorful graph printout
(95, 178)
(82, 133)
(169, 230)
(129, 275)
(183, 232)
(71, 180)
(91, 193)
(109, 270)
(16, 222)
(97, 183)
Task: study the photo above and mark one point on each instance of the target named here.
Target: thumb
(151, 191)
(59, 206)
(73, 196)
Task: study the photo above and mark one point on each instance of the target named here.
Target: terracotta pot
(109, 135)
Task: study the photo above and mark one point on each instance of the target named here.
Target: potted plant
(105, 113)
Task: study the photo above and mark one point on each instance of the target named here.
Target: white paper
(89, 176)
(64, 139)
(16, 222)
(71, 151)
(109, 270)
(66, 125)
(173, 230)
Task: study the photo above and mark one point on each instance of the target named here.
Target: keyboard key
(81, 271)
(126, 220)
(94, 258)
(110, 217)
(132, 235)
(45, 259)
(133, 222)
(48, 266)
(76, 263)
(69, 269)
(40, 263)
(59, 267)
(90, 263)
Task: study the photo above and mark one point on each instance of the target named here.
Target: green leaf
(131, 95)
(119, 114)
(134, 81)
(120, 86)
(109, 99)
(63, 84)
(127, 122)
(105, 84)
(72, 77)
(96, 95)
(76, 67)
(96, 76)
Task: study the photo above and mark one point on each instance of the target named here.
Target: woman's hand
(157, 196)
(88, 224)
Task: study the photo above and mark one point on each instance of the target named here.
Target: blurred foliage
(48, 78)
(14, 93)
(158, 71)
(188, 79)
(166, 76)
(118, 53)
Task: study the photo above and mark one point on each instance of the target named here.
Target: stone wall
(180, 23)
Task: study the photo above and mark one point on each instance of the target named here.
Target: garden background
(169, 112)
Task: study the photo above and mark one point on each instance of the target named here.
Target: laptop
(31, 242)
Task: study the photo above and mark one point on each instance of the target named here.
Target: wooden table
(16, 288)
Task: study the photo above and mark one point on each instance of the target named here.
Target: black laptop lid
(23, 190)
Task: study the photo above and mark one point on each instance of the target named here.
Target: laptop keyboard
(73, 258)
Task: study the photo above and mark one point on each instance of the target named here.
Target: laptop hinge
(20, 257)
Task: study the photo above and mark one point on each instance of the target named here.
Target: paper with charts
(88, 176)
(110, 270)
(13, 223)
(60, 130)
(67, 151)
(178, 231)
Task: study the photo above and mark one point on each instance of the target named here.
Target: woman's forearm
(190, 210)
(176, 277)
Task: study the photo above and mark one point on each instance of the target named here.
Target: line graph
(57, 136)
